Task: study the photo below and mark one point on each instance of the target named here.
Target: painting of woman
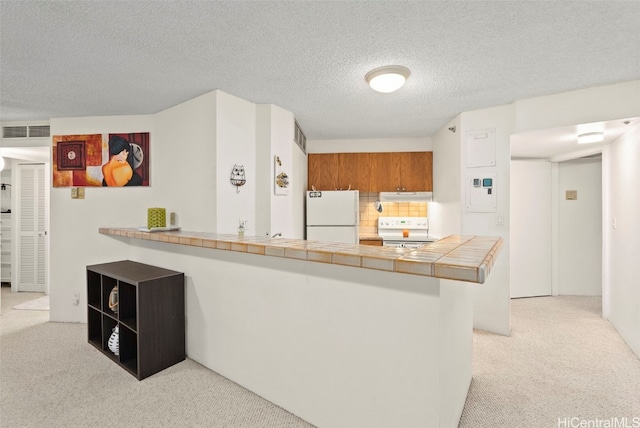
(119, 169)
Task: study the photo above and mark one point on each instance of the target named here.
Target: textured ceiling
(61, 59)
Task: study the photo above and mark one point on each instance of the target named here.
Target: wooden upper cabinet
(417, 171)
(386, 172)
(354, 170)
(322, 171)
(402, 172)
(331, 171)
(371, 172)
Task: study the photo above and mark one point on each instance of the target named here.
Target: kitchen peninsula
(341, 335)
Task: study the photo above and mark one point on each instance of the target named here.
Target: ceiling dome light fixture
(591, 137)
(388, 78)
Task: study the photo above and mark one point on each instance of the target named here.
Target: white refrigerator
(333, 216)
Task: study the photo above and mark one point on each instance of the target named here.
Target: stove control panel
(403, 223)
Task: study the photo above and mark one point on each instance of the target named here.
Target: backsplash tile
(369, 215)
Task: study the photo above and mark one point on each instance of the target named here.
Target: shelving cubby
(150, 315)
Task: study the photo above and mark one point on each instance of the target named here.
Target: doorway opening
(25, 206)
(557, 211)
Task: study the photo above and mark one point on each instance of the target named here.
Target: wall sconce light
(388, 78)
(590, 137)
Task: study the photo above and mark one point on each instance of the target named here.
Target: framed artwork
(101, 160)
(281, 181)
(71, 155)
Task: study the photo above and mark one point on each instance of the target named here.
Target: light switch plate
(571, 195)
(77, 193)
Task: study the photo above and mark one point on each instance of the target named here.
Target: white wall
(445, 210)
(596, 104)
(263, 169)
(370, 145)
(579, 225)
(298, 189)
(491, 299)
(621, 182)
(282, 145)
(192, 148)
(184, 164)
(274, 137)
(74, 239)
(235, 145)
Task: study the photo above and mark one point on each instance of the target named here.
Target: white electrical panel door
(481, 148)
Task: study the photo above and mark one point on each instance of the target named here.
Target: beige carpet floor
(14, 320)
(562, 361)
(38, 304)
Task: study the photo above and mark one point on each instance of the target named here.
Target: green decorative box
(156, 217)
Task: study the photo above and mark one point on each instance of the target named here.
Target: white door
(530, 239)
(30, 214)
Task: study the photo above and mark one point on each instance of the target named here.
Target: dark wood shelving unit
(150, 315)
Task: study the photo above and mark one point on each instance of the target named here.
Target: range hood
(405, 196)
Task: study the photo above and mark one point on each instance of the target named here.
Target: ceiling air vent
(300, 138)
(39, 131)
(14, 131)
(26, 131)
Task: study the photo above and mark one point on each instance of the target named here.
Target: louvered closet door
(31, 224)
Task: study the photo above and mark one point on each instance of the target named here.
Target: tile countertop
(461, 258)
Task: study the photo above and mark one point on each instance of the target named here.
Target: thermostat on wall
(480, 197)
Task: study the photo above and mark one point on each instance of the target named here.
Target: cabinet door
(354, 170)
(417, 172)
(385, 172)
(371, 242)
(322, 171)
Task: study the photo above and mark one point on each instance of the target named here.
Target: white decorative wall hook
(238, 177)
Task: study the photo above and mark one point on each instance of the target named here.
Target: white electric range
(404, 232)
